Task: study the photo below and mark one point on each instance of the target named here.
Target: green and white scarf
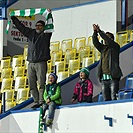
(49, 27)
(40, 126)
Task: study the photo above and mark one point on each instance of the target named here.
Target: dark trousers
(110, 89)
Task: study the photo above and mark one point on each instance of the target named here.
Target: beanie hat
(42, 22)
(85, 70)
(54, 75)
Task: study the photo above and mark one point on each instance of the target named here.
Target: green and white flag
(40, 125)
(49, 27)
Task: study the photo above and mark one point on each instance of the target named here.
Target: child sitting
(52, 97)
(83, 90)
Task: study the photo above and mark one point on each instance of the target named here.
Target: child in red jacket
(83, 90)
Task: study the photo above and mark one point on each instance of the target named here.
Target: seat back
(22, 95)
(6, 84)
(84, 52)
(20, 82)
(70, 54)
(54, 46)
(17, 60)
(9, 95)
(10, 105)
(19, 71)
(66, 44)
(5, 62)
(74, 65)
(131, 36)
(129, 81)
(60, 66)
(62, 75)
(56, 56)
(122, 37)
(6, 73)
(79, 42)
(125, 95)
(100, 97)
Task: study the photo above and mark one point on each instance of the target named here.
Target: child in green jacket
(52, 97)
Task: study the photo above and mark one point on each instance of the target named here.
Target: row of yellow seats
(122, 37)
(12, 98)
(68, 44)
(9, 83)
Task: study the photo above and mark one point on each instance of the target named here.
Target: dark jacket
(113, 51)
(39, 44)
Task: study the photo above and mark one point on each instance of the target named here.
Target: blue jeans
(51, 109)
(109, 89)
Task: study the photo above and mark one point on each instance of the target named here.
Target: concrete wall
(78, 118)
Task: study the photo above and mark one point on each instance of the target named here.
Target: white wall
(80, 118)
(77, 21)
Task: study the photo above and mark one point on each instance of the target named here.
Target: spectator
(52, 97)
(109, 72)
(83, 90)
(38, 55)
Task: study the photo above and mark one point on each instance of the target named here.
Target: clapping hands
(96, 27)
(49, 10)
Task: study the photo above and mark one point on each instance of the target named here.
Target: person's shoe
(35, 106)
(49, 122)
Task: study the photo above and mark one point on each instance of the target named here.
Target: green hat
(85, 70)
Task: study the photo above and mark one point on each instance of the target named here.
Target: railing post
(4, 105)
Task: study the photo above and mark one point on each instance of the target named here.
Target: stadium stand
(68, 57)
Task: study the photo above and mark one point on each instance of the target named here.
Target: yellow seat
(87, 61)
(90, 42)
(66, 44)
(22, 95)
(10, 105)
(96, 54)
(17, 60)
(19, 71)
(6, 73)
(122, 37)
(60, 66)
(26, 63)
(20, 82)
(131, 36)
(73, 66)
(9, 95)
(25, 53)
(54, 46)
(84, 52)
(79, 42)
(63, 75)
(56, 56)
(47, 80)
(5, 62)
(6, 84)
(49, 65)
(70, 54)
